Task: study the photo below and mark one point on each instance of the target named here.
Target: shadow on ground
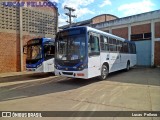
(25, 77)
(59, 84)
(36, 88)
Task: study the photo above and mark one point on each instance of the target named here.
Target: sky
(87, 9)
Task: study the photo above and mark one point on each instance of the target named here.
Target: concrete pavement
(11, 74)
(136, 90)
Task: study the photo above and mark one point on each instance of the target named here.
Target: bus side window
(112, 45)
(122, 49)
(102, 43)
(130, 48)
(106, 43)
(134, 48)
(125, 47)
(94, 46)
(119, 45)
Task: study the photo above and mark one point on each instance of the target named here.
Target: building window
(147, 35)
(143, 36)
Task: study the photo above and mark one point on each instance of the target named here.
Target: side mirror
(25, 49)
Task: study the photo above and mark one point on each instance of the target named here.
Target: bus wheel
(128, 66)
(104, 72)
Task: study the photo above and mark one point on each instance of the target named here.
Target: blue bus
(40, 54)
(85, 52)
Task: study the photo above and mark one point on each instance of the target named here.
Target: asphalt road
(136, 90)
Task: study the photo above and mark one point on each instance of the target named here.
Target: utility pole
(70, 14)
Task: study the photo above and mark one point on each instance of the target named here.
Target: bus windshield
(71, 47)
(34, 52)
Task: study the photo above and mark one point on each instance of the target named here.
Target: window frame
(123, 47)
(91, 53)
(104, 43)
(113, 42)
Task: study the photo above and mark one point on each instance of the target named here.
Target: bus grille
(67, 73)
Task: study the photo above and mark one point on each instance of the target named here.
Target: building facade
(143, 28)
(20, 24)
(94, 20)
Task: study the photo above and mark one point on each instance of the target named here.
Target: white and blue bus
(40, 55)
(85, 52)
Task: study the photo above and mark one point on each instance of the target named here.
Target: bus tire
(104, 72)
(128, 66)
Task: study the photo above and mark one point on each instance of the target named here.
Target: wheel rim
(104, 72)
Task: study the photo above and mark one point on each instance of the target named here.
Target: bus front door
(94, 68)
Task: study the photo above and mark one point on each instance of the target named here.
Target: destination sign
(73, 32)
(34, 41)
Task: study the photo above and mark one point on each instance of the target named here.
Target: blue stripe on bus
(34, 65)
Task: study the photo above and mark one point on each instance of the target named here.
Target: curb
(15, 74)
(23, 76)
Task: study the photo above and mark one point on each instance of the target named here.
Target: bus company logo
(6, 114)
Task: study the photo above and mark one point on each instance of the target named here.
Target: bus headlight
(56, 66)
(39, 65)
(81, 67)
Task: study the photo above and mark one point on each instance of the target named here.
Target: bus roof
(40, 41)
(48, 40)
(44, 39)
(99, 31)
(105, 33)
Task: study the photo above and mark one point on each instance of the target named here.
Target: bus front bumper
(30, 69)
(73, 74)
